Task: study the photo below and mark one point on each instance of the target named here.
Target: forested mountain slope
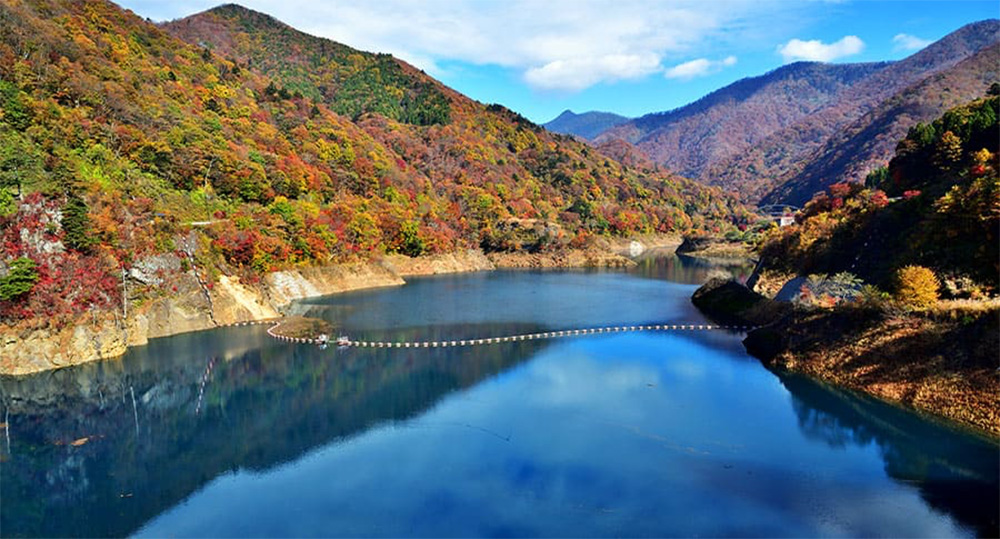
(761, 132)
(727, 122)
(870, 141)
(120, 140)
(937, 204)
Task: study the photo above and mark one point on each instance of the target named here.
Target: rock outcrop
(730, 302)
(195, 306)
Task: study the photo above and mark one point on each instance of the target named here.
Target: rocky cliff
(197, 306)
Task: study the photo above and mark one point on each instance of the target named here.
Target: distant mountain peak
(587, 125)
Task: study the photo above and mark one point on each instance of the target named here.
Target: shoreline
(875, 357)
(195, 307)
(872, 353)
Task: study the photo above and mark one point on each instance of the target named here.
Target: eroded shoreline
(944, 366)
(228, 301)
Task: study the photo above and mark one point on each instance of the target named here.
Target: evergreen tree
(20, 280)
(76, 224)
(7, 205)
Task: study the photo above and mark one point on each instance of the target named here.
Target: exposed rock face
(188, 308)
(469, 260)
(150, 270)
(945, 367)
(44, 349)
(287, 286)
(235, 303)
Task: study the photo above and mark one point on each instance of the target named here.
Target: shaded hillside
(785, 153)
(351, 82)
(870, 141)
(123, 140)
(936, 205)
(587, 125)
(727, 122)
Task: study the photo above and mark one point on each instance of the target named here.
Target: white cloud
(576, 74)
(817, 51)
(906, 42)
(564, 45)
(698, 68)
(561, 45)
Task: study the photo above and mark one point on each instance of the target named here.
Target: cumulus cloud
(561, 45)
(817, 51)
(577, 74)
(906, 42)
(698, 68)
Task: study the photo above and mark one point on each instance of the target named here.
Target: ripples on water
(229, 433)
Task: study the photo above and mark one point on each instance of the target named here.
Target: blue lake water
(228, 433)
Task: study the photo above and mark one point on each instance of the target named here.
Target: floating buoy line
(347, 342)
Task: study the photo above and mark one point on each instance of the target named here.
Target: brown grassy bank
(943, 366)
(943, 361)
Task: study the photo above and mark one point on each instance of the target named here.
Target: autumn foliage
(916, 286)
(936, 205)
(273, 149)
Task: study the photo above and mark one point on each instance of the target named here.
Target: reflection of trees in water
(268, 405)
(688, 269)
(957, 474)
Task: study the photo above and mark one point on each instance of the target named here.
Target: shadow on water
(99, 449)
(957, 475)
(688, 269)
(105, 448)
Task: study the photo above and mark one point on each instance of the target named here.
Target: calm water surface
(227, 433)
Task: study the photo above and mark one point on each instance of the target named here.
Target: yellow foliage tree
(916, 286)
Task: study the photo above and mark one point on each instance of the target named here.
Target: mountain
(732, 119)
(252, 147)
(587, 125)
(869, 142)
(785, 154)
(349, 81)
(753, 135)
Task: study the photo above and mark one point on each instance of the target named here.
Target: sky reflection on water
(643, 434)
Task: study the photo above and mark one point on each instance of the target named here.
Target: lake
(228, 433)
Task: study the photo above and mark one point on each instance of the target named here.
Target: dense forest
(936, 206)
(120, 143)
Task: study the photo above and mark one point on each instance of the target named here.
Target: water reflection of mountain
(100, 449)
(956, 475)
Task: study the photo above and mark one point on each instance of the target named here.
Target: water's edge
(200, 306)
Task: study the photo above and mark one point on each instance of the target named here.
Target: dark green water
(229, 433)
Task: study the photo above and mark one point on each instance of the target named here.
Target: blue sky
(631, 57)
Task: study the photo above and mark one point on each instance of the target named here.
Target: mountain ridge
(587, 125)
(690, 138)
(870, 141)
(740, 146)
